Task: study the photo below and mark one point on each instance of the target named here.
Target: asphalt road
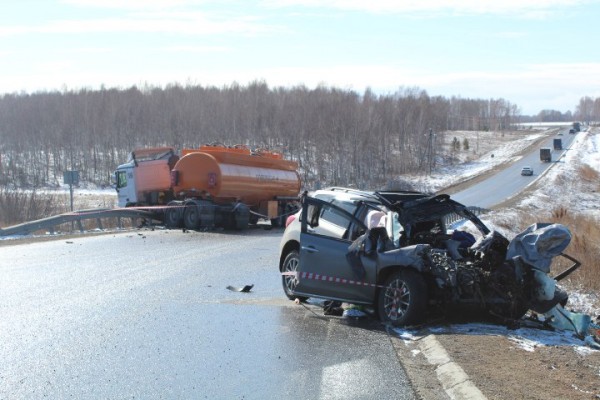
(148, 315)
(509, 182)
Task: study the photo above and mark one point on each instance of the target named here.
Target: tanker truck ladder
(83, 220)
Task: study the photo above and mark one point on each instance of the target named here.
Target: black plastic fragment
(244, 289)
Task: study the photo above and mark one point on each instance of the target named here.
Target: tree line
(338, 137)
(588, 110)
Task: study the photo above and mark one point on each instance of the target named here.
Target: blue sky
(540, 54)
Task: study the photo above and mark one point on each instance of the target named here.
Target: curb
(452, 377)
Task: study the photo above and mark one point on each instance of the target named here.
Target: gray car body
(325, 261)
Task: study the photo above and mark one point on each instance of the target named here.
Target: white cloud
(88, 50)
(131, 4)
(196, 49)
(183, 23)
(531, 87)
(388, 76)
(150, 16)
(529, 8)
(511, 35)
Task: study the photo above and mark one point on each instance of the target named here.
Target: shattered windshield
(397, 229)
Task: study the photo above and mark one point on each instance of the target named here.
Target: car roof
(343, 194)
(381, 197)
(412, 206)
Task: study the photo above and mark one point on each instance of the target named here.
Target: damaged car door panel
(397, 255)
(320, 253)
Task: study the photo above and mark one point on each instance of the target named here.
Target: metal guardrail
(76, 218)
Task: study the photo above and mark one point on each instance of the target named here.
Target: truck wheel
(403, 299)
(191, 216)
(241, 217)
(291, 264)
(206, 211)
(174, 215)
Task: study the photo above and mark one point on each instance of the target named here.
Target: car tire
(403, 298)
(290, 264)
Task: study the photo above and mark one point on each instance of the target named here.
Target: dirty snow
(563, 186)
(488, 150)
(527, 339)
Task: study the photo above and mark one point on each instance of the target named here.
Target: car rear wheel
(290, 265)
(403, 298)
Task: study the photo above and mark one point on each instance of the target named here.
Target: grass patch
(18, 206)
(585, 247)
(588, 173)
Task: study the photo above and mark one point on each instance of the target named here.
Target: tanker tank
(231, 187)
(226, 176)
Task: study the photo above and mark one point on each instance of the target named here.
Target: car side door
(325, 270)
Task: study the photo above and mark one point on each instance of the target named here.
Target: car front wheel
(290, 265)
(403, 298)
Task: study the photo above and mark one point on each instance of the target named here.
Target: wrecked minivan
(404, 252)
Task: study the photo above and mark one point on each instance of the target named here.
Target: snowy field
(487, 151)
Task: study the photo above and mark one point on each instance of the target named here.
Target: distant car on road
(560, 133)
(527, 171)
(571, 131)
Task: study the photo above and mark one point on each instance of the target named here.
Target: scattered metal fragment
(244, 289)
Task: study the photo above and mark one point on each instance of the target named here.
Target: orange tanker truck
(213, 185)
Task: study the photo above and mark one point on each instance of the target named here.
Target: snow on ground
(487, 151)
(564, 186)
(85, 196)
(561, 185)
(524, 338)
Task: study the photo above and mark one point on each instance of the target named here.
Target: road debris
(244, 289)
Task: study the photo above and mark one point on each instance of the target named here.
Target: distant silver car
(527, 171)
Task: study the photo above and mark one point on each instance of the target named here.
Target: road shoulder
(501, 368)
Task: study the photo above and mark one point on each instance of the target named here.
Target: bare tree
(337, 136)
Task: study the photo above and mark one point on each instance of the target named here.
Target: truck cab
(126, 192)
(145, 179)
